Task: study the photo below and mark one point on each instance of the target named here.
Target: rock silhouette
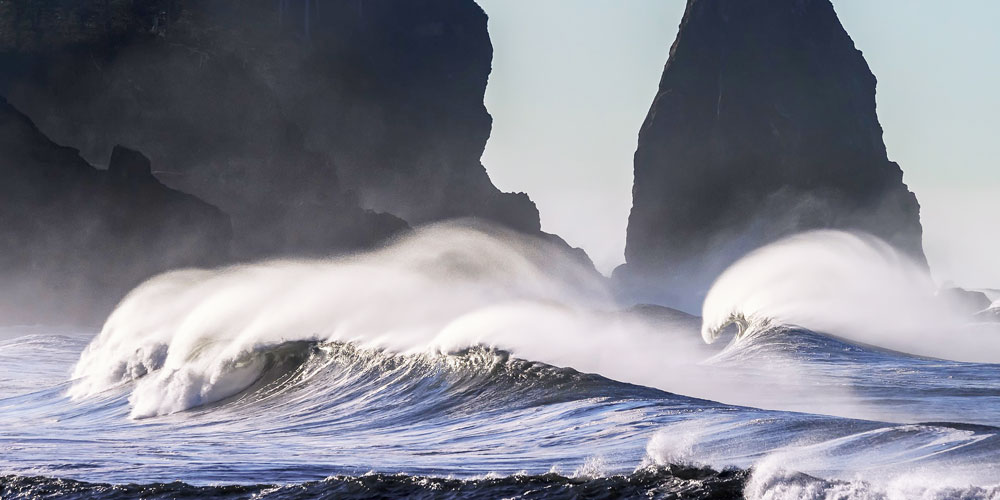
(299, 119)
(75, 239)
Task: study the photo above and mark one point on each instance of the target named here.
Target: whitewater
(464, 360)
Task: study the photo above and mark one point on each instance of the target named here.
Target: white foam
(771, 480)
(190, 337)
(850, 285)
(892, 462)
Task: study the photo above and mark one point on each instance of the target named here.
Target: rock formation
(75, 239)
(764, 125)
(297, 118)
(318, 127)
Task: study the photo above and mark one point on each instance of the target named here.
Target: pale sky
(573, 79)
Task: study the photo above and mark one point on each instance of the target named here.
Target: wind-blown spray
(845, 284)
(192, 337)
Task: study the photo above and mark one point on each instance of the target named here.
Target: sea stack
(763, 125)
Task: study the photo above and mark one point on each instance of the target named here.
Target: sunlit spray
(192, 337)
(845, 284)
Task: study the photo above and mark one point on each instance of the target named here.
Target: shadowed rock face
(319, 127)
(764, 125)
(292, 116)
(75, 239)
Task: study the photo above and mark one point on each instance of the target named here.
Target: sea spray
(846, 460)
(189, 338)
(299, 370)
(851, 285)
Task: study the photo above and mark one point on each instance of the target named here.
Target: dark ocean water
(670, 482)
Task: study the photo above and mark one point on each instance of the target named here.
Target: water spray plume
(845, 284)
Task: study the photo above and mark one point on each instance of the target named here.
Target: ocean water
(465, 363)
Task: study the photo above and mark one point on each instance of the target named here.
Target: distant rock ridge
(74, 239)
(763, 125)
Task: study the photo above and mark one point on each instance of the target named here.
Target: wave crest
(745, 327)
(196, 336)
(190, 338)
(851, 285)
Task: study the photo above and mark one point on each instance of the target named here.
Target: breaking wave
(384, 372)
(851, 285)
(193, 337)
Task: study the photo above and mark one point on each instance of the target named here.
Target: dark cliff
(318, 127)
(75, 239)
(764, 125)
(297, 118)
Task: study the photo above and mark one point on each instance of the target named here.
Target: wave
(783, 484)
(851, 285)
(189, 338)
(460, 341)
(327, 382)
(49, 354)
(849, 460)
(318, 409)
(662, 482)
(669, 482)
(765, 481)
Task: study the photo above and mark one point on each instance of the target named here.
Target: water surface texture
(482, 372)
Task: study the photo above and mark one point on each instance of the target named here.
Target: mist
(955, 215)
